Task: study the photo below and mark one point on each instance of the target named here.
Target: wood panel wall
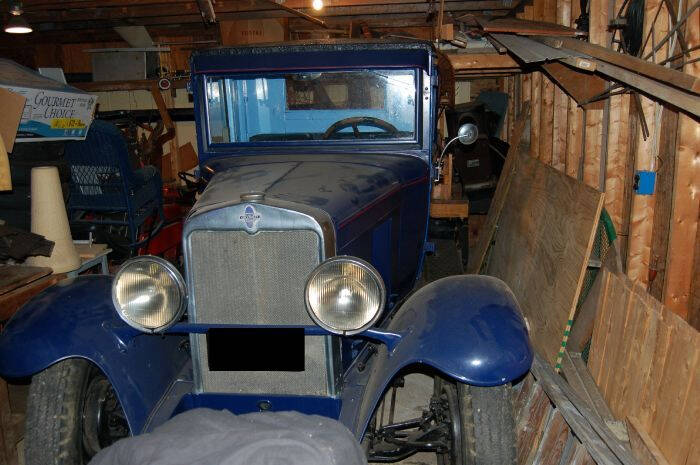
(646, 362)
(658, 234)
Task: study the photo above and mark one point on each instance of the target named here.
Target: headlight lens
(149, 293)
(345, 295)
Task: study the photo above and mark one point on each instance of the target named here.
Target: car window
(377, 105)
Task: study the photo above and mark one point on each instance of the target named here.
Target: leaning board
(646, 361)
(544, 238)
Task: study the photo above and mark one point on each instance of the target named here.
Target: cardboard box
(53, 110)
(13, 106)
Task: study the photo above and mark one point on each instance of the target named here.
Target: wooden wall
(646, 362)
(658, 233)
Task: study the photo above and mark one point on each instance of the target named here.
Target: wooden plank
(664, 199)
(686, 201)
(14, 276)
(5, 174)
(578, 84)
(642, 208)
(616, 194)
(545, 235)
(643, 445)
(478, 255)
(652, 344)
(449, 209)
(559, 129)
(536, 102)
(547, 121)
(580, 380)
(678, 392)
(482, 61)
(531, 424)
(658, 91)
(107, 86)
(593, 433)
(628, 62)
(11, 301)
(529, 28)
(581, 456)
(553, 441)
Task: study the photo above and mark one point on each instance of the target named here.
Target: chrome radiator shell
(235, 274)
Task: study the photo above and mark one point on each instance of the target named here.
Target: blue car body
(372, 198)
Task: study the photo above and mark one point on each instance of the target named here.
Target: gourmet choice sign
(54, 115)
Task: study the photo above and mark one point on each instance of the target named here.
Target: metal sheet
(529, 50)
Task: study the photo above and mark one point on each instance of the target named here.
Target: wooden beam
(633, 64)
(237, 7)
(449, 209)
(487, 61)
(678, 285)
(561, 101)
(299, 13)
(107, 86)
(653, 89)
(531, 28)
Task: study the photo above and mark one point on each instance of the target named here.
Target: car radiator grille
(255, 279)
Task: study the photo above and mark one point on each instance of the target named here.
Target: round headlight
(345, 295)
(149, 293)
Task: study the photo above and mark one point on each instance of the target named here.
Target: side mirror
(468, 133)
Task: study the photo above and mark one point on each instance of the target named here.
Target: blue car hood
(342, 185)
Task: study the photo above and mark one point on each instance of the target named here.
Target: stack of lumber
(646, 361)
(554, 426)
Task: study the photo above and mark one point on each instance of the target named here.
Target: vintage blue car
(301, 259)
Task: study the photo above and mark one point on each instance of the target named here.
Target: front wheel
(72, 413)
(459, 423)
(482, 424)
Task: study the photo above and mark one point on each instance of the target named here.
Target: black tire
(484, 433)
(58, 412)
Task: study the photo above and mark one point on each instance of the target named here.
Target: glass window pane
(376, 105)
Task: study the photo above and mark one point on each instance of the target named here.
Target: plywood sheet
(542, 246)
(478, 255)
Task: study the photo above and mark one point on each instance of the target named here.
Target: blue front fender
(467, 327)
(76, 318)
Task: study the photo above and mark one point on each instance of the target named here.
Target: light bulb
(317, 4)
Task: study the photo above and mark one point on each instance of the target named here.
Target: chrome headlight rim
(172, 272)
(364, 265)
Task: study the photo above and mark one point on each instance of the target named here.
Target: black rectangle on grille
(256, 349)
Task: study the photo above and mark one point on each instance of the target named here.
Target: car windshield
(375, 105)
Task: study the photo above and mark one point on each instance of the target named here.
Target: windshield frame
(330, 144)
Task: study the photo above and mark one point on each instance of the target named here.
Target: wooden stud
(574, 141)
(665, 172)
(642, 213)
(686, 200)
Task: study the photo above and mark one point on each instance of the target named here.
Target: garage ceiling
(56, 21)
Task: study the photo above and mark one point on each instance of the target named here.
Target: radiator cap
(253, 197)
